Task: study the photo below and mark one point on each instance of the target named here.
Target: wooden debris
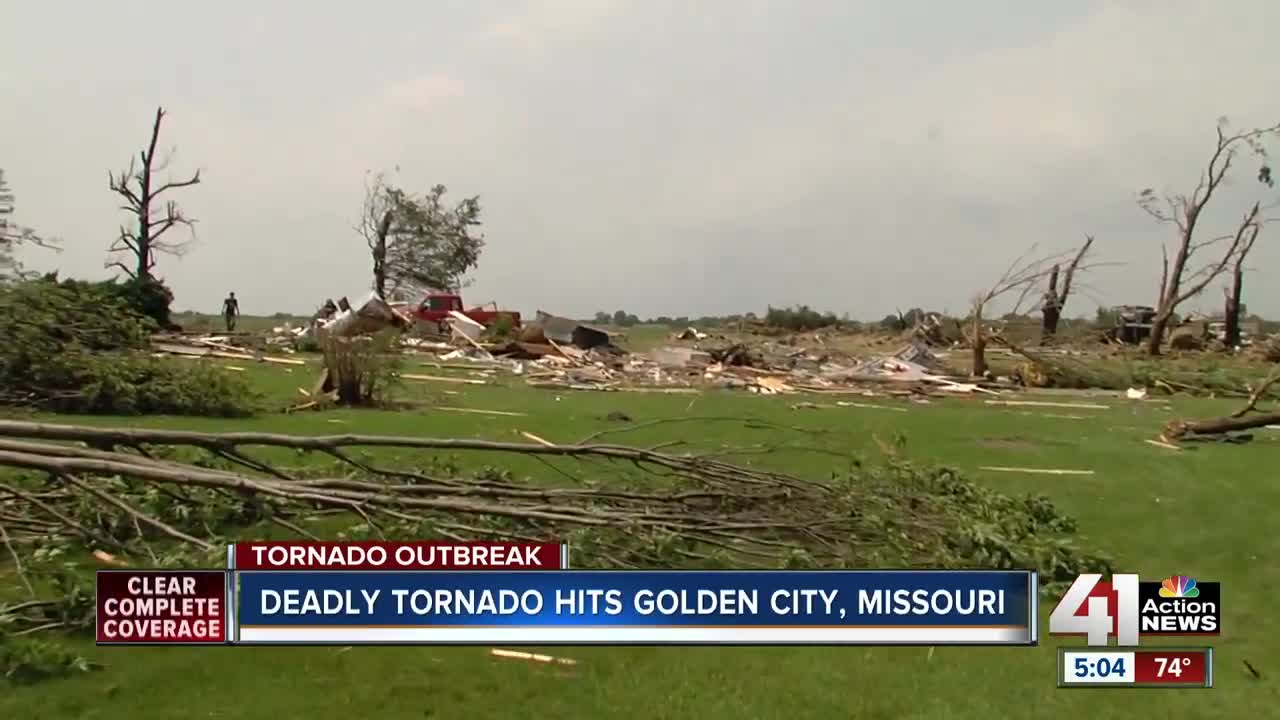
(1036, 471)
(481, 365)
(281, 361)
(107, 558)
(869, 406)
(533, 657)
(441, 378)
(1038, 403)
(774, 385)
(478, 411)
(535, 438)
(1161, 444)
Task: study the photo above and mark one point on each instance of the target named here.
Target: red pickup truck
(435, 309)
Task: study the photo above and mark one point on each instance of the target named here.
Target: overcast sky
(666, 157)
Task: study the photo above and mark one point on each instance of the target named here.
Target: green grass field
(1207, 512)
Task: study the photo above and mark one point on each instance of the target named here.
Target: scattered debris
(464, 327)
(564, 331)
(680, 357)
(196, 347)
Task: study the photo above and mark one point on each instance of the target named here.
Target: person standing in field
(230, 311)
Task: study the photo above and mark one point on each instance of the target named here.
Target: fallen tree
(1246, 418)
(172, 498)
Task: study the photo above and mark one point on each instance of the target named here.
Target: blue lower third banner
(638, 607)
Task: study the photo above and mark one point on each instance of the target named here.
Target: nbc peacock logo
(1179, 586)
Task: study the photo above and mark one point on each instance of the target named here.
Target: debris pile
(228, 347)
(556, 352)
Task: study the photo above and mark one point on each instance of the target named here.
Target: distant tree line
(803, 318)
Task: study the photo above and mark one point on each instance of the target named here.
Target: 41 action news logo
(1127, 608)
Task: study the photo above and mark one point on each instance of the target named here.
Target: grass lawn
(1207, 512)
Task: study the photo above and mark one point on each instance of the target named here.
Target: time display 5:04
(1094, 667)
(1100, 667)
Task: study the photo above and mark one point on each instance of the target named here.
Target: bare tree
(1180, 280)
(1055, 299)
(13, 235)
(416, 241)
(1231, 313)
(1021, 278)
(140, 192)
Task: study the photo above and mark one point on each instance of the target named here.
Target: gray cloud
(660, 157)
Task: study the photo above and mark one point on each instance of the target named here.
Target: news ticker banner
(1134, 667)
(438, 593)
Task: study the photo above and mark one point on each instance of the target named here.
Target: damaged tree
(13, 235)
(140, 191)
(1231, 311)
(417, 242)
(1022, 277)
(1178, 282)
(1055, 299)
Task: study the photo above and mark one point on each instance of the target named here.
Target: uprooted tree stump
(361, 353)
(359, 370)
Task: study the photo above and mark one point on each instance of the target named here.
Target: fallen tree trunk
(1241, 419)
(1182, 429)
